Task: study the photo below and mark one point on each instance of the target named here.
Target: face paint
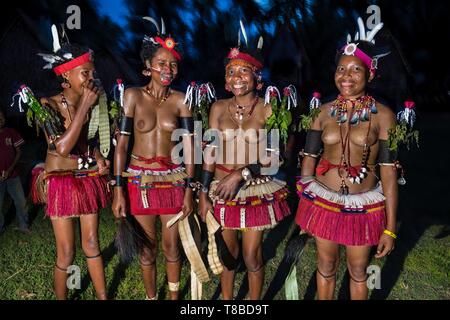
(165, 75)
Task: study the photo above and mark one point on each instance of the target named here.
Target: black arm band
(188, 182)
(313, 142)
(187, 123)
(384, 154)
(126, 126)
(207, 178)
(255, 168)
(118, 181)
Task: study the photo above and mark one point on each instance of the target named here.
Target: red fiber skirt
(75, 193)
(155, 198)
(353, 220)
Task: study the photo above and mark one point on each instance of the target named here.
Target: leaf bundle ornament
(281, 117)
(402, 132)
(314, 111)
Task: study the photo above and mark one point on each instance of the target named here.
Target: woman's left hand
(103, 166)
(188, 203)
(385, 246)
(226, 188)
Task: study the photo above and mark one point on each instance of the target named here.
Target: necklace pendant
(343, 191)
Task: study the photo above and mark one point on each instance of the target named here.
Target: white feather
(243, 32)
(56, 44)
(356, 36)
(163, 26)
(374, 31)
(260, 43)
(362, 30)
(154, 22)
(239, 38)
(349, 38)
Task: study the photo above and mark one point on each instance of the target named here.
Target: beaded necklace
(362, 109)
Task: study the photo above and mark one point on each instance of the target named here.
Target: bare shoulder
(325, 110)
(51, 101)
(385, 114)
(219, 106)
(177, 96)
(133, 92)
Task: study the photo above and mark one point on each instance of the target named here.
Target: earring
(259, 86)
(65, 84)
(147, 72)
(227, 87)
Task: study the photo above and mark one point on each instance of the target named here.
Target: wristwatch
(246, 174)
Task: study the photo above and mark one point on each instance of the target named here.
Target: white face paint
(165, 75)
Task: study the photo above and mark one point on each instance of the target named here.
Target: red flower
(273, 93)
(234, 53)
(193, 84)
(286, 91)
(409, 104)
(316, 95)
(170, 43)
(119, 81)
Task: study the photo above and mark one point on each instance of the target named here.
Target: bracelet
(390, 233)
(189, 183)
(312, 155)
(117, 182)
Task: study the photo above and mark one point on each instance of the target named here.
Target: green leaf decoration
(401, 133)
(307, 120)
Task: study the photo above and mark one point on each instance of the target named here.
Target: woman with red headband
(156, 185)
(234, 188)
(74, 178)
(342, 200)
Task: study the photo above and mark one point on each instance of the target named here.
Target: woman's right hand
(204, 205)
(119, 205)
(90, 94)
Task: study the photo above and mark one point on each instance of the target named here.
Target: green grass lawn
(27, 265)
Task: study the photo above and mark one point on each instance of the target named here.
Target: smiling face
(78, 77)
(240, 79)
(351, 77)
(163, 66)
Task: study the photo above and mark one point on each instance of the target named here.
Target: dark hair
(148, 50)
(74, 49)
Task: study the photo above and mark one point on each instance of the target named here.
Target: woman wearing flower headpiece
(74, 177)
(157, 186)
(343, 199)
(233, 187)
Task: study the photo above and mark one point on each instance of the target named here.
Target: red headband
(351, 49)
(78, 61)
(169, 44)
(236, 54)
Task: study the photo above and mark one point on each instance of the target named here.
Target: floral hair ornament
(65, 62)
(161, 39)
(351, 48)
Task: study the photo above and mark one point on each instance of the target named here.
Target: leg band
(324, 276)
(93, 257)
